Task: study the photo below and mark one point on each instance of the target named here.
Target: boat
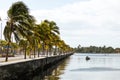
(87, 58)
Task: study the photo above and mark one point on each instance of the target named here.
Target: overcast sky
(84, 22)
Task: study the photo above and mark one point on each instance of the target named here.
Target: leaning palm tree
(53, 31)
(18, 23)
(56, 40)
(43, 30)
(37, 37)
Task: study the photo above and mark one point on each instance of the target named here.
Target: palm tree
(53, 32)
(42, 30)
(56, 40)
(34, 43)
(24, 43)
(18, 23)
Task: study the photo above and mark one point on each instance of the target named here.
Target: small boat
(87, 58)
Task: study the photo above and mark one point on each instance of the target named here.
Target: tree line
(95, 49)
(32, 38)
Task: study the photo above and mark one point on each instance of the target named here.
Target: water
(99, 67)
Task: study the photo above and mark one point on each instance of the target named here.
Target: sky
(84, 22)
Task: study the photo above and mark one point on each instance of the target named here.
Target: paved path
(19, 58)
(16, 59)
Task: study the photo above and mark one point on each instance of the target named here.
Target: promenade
(16, 59)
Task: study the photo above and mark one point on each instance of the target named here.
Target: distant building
(117, 50)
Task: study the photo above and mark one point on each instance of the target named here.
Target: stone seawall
(26, 69)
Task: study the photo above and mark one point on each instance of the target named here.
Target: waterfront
(34, 69)
(99, 67)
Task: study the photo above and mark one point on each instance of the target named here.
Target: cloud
(3, 14)
(94, 12)
(92, 21)
(89, 22)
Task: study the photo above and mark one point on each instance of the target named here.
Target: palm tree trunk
(47, 52)
(50, 50)
(6, 59)
(55, 50)
(25, 53)
(38, 52)
(30, 54)
(43, 49)
(34, 52)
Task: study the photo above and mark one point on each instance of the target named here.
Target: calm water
(99, 67)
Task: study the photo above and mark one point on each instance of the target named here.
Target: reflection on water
(99, 67)
(52, 73)
(58, 71)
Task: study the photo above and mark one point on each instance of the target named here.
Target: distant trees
(94, 49)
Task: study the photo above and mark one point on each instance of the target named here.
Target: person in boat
(87, 58)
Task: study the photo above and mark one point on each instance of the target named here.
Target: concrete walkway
(16, 59)
(20, 58)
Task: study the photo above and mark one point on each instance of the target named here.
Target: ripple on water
(96, 69)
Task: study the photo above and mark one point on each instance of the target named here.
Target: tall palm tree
(18, 23)
(24, 43)
(43, 30)
(53, 32)
(37, 37)
(56, 40)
